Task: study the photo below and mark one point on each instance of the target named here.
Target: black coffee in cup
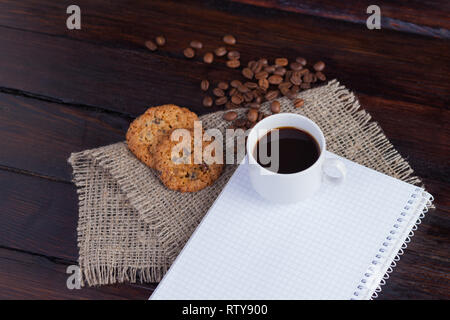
(298, 150)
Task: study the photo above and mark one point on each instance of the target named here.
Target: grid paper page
(249, 248)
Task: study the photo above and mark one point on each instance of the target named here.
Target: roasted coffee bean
(254, 105)
(223, 85)
(251, 64)
(301, 60)
(240, 122)
(261, 75)
(260, 116)
(264, 61)
(280, 71)
(230, 116)
(284, 91)
(319, 66)
(298, 103)
(275, 106)
(296, 66)
(282, 62)
(251, 85)
(204, 85)
(295, 89)
(263, 83)
(237, 98)
(275, 79)
(286, 85)
(257, 67)
(220, 51)
(291, 95)
(247, 73)
(208, 57)
(296, 78)
(272, 94)
(233, 91)
(314, 78)
(308, 78)
(232, 55)
(196, 44)
(243, 89)
(189, 53)
(218, 92)
(221, 101)
(235, 83)
(151, 45)
(248, 96)
(233, 63)
(252, 115)
(258, 99)
(321, 76)
(231, 105)
(229, 39)
(270, 69)
(305, 85)
(160, 41)
(207, 101)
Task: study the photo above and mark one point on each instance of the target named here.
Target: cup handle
(335, 166)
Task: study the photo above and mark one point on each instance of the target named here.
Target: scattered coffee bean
(305, 86)
(196, 44)
(218, 92)
(254, 105)
(296, 66)
(295, 89)
(270, 69)
(247, 73)
(151, 45)
(237, 98)
(204, 85)
(296, 78)
(221, 101)
(298, 103)
(220, 51)
(280, 71)
(321, 76)
(319, 66)
(207, 101)
(251, 85)
(233, 91)
(230, 115)
(301, 60)
(258, 99)
(189, 53)
(275, 106)
(282, 62)
(232, 55)
(257, 67)
(286, 85)
(233, 63)
(248, 96)
(261, 75)
(263, 61)
(229, 39)
(260, 116)
(308, 78)
(272, 95)
(208, 57)
(240, 122)
(275, 79)
(235, 83)
(223, 85)
(243, 89)
(231, 105)
(263, 83)
(252, 115)
(160, 41)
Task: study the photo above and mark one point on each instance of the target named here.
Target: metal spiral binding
(379, 256)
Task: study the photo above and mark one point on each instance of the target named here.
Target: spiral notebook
(339, 244)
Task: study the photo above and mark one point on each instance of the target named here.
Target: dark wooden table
(68, 90)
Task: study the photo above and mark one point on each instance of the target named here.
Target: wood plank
(421, 17)
(39, 136)
(26, 276)
(108, 65)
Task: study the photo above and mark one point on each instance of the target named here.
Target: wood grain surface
(64, 90)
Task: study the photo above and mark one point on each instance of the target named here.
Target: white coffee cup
(292, 187)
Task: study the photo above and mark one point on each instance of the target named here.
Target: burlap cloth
(131, 227)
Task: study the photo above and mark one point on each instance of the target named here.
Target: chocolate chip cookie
(178, 170)
(147, 130)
